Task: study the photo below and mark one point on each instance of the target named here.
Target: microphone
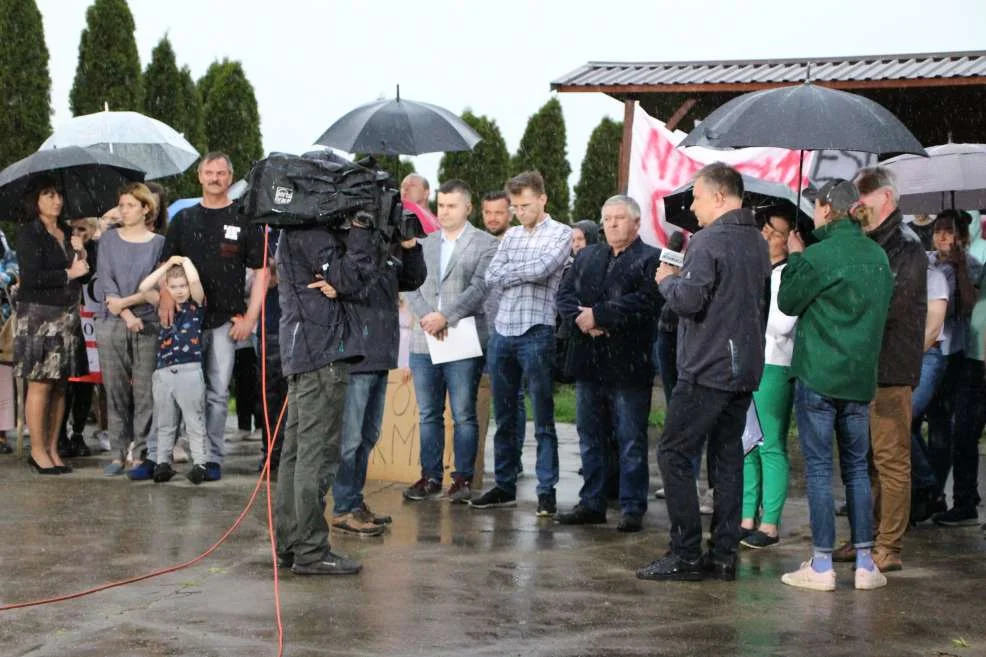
(671, 253)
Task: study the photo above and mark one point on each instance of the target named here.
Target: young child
(178, 384)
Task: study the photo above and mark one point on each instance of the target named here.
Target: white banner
(657, 168)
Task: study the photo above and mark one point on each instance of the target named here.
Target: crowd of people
(860, 330)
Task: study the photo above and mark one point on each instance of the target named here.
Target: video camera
(322, 188)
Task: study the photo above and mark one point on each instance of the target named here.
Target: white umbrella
(152, 145)
(953, 176)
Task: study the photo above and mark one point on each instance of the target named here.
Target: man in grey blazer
(456, 257)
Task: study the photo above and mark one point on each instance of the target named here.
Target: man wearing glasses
(526, 271)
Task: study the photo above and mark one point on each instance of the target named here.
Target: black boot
(65, 448)
(79, 446)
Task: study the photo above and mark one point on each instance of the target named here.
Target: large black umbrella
(758, 195)
(88, 179)
(399, 127)
(805, 117)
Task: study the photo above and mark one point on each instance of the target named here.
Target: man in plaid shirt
(527, 271)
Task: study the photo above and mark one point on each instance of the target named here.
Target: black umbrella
(88, 179)
(399, 127)
(758, 195)
(805, 117)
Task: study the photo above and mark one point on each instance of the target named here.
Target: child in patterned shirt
(178, 382)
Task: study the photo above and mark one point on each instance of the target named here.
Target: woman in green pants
(765, 469)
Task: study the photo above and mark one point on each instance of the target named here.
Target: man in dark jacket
(400, 270)
(608, 301)
(719, 296)
(900, 365)
(319, 338)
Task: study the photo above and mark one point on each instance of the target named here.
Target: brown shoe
(845, 553)
(887, 561)
(375, 518)
(353, 524)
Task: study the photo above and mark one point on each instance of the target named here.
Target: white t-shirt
(938, 289)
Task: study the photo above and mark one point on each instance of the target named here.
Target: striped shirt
(527, 271)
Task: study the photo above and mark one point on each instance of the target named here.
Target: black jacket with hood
(719, 298)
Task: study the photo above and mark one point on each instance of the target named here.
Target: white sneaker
(103, 438)
(806, 578)
(705, 505)
(179, 455)
(659, 493)
(867, 580)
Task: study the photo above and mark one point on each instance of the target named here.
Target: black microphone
(671, 253)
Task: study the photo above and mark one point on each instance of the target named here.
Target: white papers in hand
(753, 433)
(461, 342)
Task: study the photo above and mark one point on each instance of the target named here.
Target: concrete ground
(443, 581)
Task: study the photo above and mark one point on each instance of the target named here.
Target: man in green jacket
(840, 288)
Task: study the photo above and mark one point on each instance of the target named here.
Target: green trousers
(765, 469)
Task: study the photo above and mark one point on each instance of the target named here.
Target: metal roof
(844, 72)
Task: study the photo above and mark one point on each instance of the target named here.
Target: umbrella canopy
(153, 146)
(88, 179)
(804, 117)
(757, 194)
(399, 127)
(952, 176)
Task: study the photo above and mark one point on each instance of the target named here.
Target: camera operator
(320, 337)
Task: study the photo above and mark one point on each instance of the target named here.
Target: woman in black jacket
(48, 346)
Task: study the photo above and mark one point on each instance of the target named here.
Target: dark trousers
(970, 420)
(277, 393)
(694, 414)
(940, 413)
(246, 374)
(78, 402)
(602, 414)
(312, 442)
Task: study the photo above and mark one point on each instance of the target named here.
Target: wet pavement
(443, 580)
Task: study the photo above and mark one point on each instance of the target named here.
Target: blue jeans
(932, 369)
(219, 354)
(460, 379)
(362, 417)
(600, 411)
(817, 417)
(512, 359)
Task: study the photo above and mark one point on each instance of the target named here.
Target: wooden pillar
(623, 174)
(680, 113)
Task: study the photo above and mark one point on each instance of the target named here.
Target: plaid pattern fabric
(527, 271)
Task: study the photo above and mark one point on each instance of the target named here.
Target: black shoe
(63, 469)
(64, 447)
(629, 523)
(5, 447)
(758, 540)
(285, 561)
(79, 446)
(493, 498)
(672, 568)
(197, 474)
(423, 489)
(43, 471)
(842, 509)
(715, 568)
(922, 501)
(547, 506)
(957, 517)
(331, 564)
(744, 532)
(162, 473)
(581, 515)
